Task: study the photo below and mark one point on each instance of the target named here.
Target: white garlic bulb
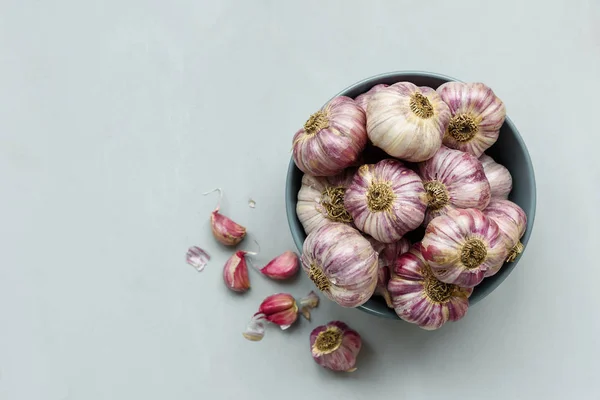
(477, 116)
(363, 99)
(321, 200)
(498, 176)
(407, 121)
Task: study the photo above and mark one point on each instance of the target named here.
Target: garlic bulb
(335, 346)
(420, 298)
(386, 200)
(453, 179)
(407, 121)
(388, 254)
(512, 221)
(498, 176)
(341, 263)
(463, 246)
(363, 99)
(477, 115)
(321, 200)
(332, 139)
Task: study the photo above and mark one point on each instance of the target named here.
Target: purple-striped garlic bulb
(512, 221)
(363, 99)
(386, 200)
(420, 298)
(335, 346)
(498, 176)
(332, 139)
(453, 179)
(341, 263)
(477, 115)
(388, 254)
(407, 121)
(463, 247)
(321, 200)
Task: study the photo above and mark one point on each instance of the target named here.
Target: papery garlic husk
(235, 272)
(335, 346)
(453, 179)
(363, 99)
(407, 121)
(386, 200)
(463, 247)
(341, 263)
(512, 221)
(280, 309)
(477, 116)
(283, 266)
(308, 303)
(420, 298)
(197, 258)
(255, 330)
(388, 254)
(332, 139)
(224, 229)
(321, 200)
(498, 176)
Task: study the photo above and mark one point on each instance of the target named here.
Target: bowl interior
(509, 150)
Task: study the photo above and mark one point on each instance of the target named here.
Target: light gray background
(116, 115)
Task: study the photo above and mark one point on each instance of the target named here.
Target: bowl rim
(291, 209)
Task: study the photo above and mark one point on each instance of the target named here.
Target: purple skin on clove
(224, 229)
(235, 272)
(282, 267)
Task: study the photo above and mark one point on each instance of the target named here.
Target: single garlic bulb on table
(512, 221)
(341, 263)
(407, 121)
(498, 176)
(453, 179)
(420, 298)
(463, 247)
(332, 139)
(335, 346)
(321, 200)
(477, 116)
(386, 200)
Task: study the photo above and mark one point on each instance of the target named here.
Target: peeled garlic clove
(332, 139)
(341, 263)
(235, 272)
(407, 121)
(512, 221)
(477, 115)
(386, 200)
(321, 200)
(224, 229)
(453, 179)
(280, 309)
(363, 99)
(463, 246)
(335, 346)
(420, 298)
(308, 303)
(498, 176)
(283, 266)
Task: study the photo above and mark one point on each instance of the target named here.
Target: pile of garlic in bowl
(398, 198)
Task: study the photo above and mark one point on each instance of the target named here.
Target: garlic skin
(235, 272)
(197, 258)
(308, 303)
(512, 221)
(283, 266)
(335, 346)
(388, 254)
(341, 263)
(321, 200)
(453, 179)
(498, 176)
(363, 99)
(420, 298)
(332, 139)
(386, 200)
(224, 229)
(463, 247)
(477, 116)
(407, 121)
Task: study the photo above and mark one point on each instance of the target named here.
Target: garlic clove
(335, 346)
(383, 277)
(477, 116)
(224, 229)
(197, 258)
(255, 330)
(512, 221)
(498, 176)
(280, 309)
(235, 272)
(464, 246)
(332, 139)
(283, 266)
(308, 303)
(420, 298)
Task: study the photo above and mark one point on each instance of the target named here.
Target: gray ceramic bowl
(509, 150)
